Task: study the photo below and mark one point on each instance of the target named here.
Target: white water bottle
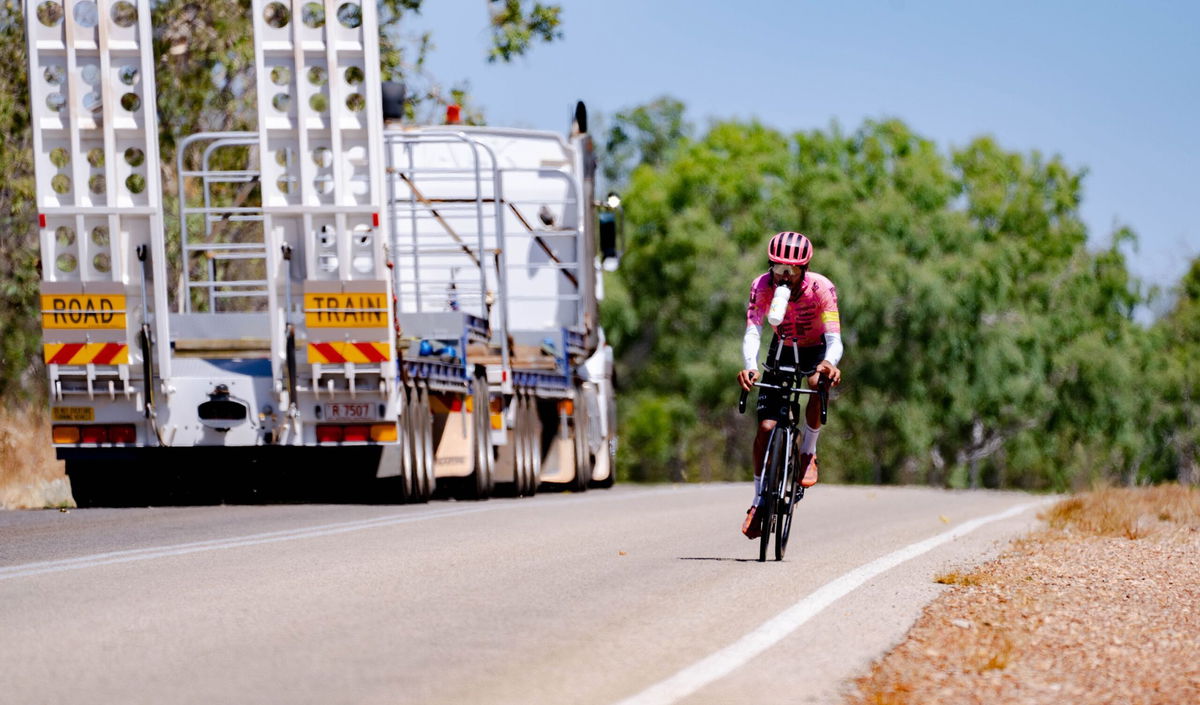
(779, 305)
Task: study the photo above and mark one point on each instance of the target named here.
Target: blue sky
(1111, 86)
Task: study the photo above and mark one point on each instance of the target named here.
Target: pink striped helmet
(790, 248)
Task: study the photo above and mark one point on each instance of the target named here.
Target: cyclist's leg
(760, 444)
(808, 438)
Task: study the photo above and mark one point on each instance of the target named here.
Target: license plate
(73, 413)
(349, 411)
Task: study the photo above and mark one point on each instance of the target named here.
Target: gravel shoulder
(1103, 606)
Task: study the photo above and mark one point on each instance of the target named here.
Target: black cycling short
(772, 404)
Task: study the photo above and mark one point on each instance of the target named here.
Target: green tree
(20, 332)
(1177, 413)
(986, 344)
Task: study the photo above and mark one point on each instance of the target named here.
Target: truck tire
(425, 420)
(87, 485)
(420, 442)
(533, 426)
(487, 452)
(408, 454)
(101, 484)
(522, 448)
(481, 482)
(583, 451)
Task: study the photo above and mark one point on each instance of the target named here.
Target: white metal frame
(95, 137)
(320, 130)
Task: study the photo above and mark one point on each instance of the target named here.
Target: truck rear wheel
(408, 454)
(420, 444)
(583, 452)
(532, 425)
(481, 482)
(101, 484)
(425, 419)
(87, 485)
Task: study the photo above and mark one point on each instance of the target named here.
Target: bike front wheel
(789, 493)
(773, 471)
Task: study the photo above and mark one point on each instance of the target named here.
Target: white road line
(141, 554)
(723, 662)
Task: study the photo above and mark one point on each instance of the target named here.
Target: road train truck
(336, 295)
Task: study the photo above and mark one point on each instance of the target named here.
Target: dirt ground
(1101, 607)
(30, 477)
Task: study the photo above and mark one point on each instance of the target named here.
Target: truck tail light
(122, 433)
(329, 434)
(93, 434)
(566, 407)
(356, 434)
(383, 432)
(65, 434)
(456, 404)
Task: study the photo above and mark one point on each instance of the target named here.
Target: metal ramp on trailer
(319, 141)
(95, 137)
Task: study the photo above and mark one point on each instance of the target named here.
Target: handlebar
(822, 392)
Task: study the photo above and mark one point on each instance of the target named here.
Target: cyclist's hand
(827, 368)
(746, 378)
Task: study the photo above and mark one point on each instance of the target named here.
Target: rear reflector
(93, 434)
(497, 421)
(383, 432)
(65, 434)
(356, 434)
(566, 407)
(329, 434)
(122, 433)
(456, 404)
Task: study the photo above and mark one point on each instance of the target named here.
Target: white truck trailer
(398, 305)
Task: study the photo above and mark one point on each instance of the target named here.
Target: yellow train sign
(346, 310)
(72, 311)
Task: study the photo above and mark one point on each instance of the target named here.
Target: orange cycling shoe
(751, 527)
(809, 463)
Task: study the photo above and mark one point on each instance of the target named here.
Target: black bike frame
(792, 394)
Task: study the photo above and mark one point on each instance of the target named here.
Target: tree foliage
(20, 334)
(986, 343)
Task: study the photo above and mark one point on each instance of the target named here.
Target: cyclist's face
(788, 274)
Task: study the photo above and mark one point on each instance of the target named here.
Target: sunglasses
(786, 270)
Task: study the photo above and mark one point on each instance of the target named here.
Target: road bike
(781, 488)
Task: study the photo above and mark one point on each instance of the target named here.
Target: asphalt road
(633, 595)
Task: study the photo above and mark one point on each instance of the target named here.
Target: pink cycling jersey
(810, 314)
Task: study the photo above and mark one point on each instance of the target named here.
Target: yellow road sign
(83, 311)
(345, 310)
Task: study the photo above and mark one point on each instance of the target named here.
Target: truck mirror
(610, 254)
(394, 95)
(579, 123)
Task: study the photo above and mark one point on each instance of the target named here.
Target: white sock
(757, 488)
(808, 443)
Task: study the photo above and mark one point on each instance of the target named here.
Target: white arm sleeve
(833, 347)
(750, 344)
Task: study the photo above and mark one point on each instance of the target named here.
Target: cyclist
(811, 327)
